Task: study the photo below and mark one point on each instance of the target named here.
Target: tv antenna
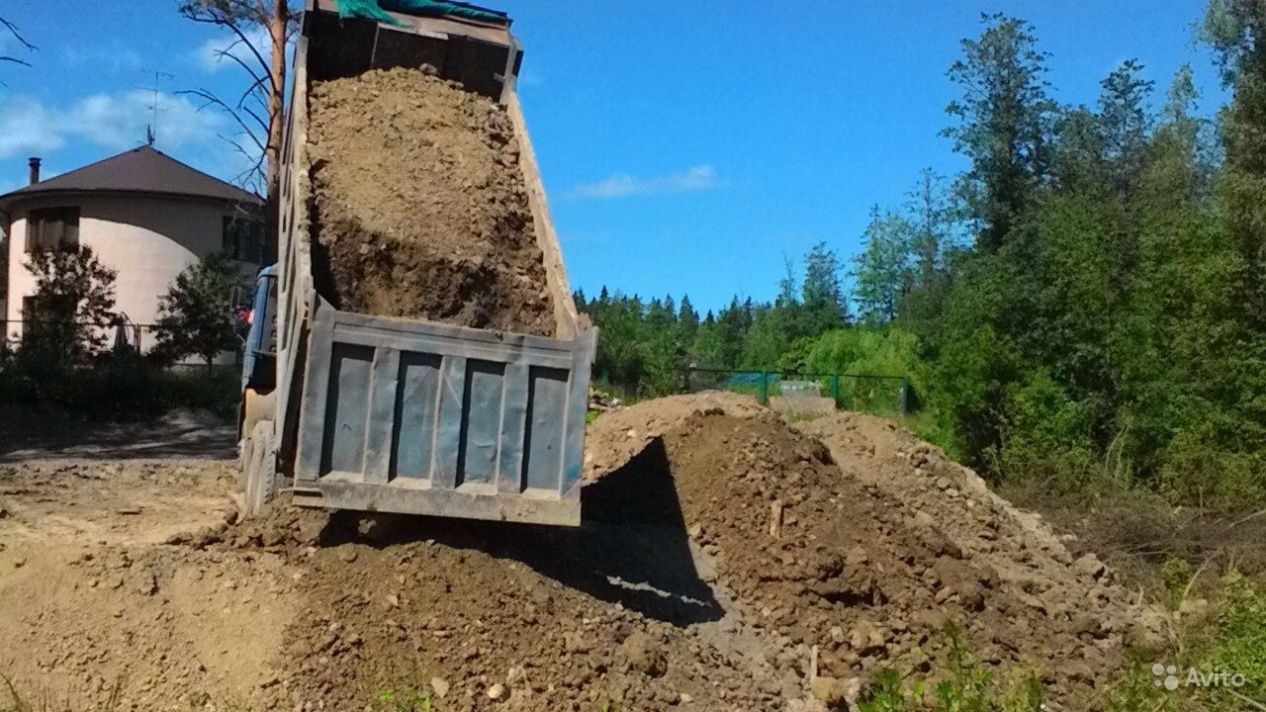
(151, 131)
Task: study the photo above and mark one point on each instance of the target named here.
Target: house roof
(140, 170)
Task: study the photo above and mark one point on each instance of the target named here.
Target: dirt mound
(872, 579)
(421, 209)
(97, 613)
(498, 618)
(732, 564)
(619, 435)
(1029, 557)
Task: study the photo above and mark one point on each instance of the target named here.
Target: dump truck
(352, 411)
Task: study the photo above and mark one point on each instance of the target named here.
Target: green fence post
(763, 395)
(835, 388)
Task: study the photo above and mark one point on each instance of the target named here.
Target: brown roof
(141, 170)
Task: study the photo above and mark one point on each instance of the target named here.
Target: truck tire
(259, 469)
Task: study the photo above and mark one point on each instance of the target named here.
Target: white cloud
(112, 121)
(114, 58)
(27, 127)
(692, 180)
(210, 55)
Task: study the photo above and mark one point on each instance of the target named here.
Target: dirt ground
(727, 561)
(27, 435)
(440, 230)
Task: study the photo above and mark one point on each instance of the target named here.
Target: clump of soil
(421, 209)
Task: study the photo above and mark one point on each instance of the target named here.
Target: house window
(52, 229)
(243, 239)
(47, 309)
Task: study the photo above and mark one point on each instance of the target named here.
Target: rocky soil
(421, 209)
(727, 562)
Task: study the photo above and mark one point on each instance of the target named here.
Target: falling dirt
(421, 209)
(727, 562)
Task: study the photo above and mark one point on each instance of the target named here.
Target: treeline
(1085, 305)
(646, 345)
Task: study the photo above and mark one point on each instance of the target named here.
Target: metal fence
(881, 395)
(118, 334)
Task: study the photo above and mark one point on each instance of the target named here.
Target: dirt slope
(718, 569)
(93, 605)
(421, 209)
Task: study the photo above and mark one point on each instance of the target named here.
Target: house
(144, 214)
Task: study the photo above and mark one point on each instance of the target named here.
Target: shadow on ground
(632, 548)
(27, 436)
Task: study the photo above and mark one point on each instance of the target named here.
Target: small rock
(644, 654)
(497, 692)
(439, 686)
(1090, 565)
(830, 691)
(147, 584)
(348, 555)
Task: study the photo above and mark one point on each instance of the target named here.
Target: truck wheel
(259, 467)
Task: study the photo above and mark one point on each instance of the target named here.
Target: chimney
(35, 169)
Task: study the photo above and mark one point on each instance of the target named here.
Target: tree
(195, 315)
(1003, 118)
(882, 273)
(258, 110)
(1124, 123)
(932, 214)
(71, 307)
(823, 291)
(1077, 157)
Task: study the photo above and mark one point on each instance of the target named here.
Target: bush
(121, 385)
(1045, 437)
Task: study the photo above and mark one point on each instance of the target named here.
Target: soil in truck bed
(421, 209)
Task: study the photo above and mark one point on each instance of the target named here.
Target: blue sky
(686, 146)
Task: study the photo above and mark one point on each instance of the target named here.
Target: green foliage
(884, 271)
(646, 347)
(120, 385)
(1237, 642)
(1003, 122)
(403, 701)
(1107, 327)
(1045, 436)
(73, 301)
(195, 315)
(965, 686)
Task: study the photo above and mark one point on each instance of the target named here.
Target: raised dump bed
(408, 415)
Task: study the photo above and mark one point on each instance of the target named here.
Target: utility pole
(151, 131)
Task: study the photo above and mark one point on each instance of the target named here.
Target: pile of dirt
(926, 532)
(727, 562)
(98, 613)
(421, 209)
(619, 435)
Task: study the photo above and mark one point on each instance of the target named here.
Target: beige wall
(148, 240)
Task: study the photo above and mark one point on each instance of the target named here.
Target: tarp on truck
(376, 10)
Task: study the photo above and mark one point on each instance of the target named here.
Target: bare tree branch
(209, 99)
(13, 30)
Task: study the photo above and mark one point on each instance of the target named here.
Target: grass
(12, 701)
(408, 700)
(963, 685)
